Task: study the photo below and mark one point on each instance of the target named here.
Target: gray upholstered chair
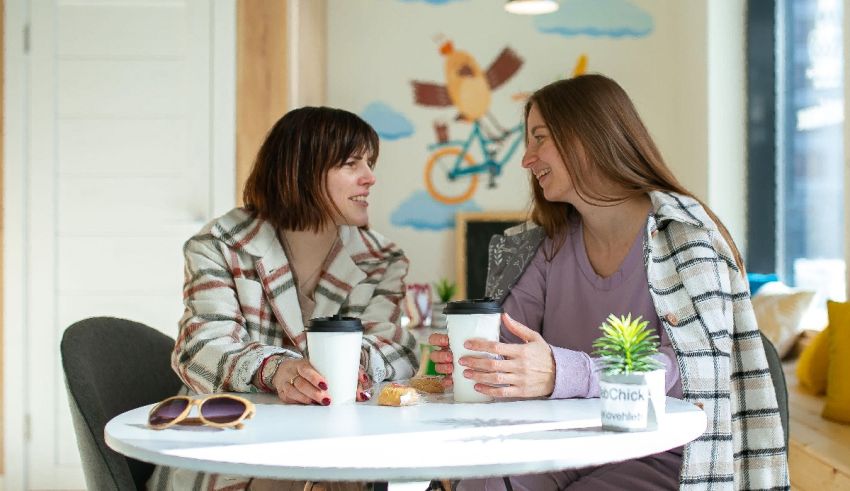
(111, 366)
(774, 364)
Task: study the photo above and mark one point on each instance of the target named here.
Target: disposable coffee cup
(470, 319)
(333, 348)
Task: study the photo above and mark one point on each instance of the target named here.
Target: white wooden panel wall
(121, 139)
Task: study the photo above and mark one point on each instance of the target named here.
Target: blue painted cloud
(389, 124)
(422, 212)
(598, 18)
(432, 2)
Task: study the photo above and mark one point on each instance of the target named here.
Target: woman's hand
(364, 383)
(297, 382)
(526, 369)
(442, 358)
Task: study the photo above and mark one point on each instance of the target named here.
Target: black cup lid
(484, 305)
(335, 323)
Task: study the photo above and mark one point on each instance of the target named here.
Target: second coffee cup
(333, 348)
(470, 319)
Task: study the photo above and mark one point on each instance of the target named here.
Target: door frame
(16, 207)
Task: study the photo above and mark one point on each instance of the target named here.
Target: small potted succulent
(631, 387)
(445, 290)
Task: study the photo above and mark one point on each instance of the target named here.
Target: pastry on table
(398, 395)
(428, 383)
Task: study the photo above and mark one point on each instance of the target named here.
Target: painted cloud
(432, 2)
(599, 18)
(420, 211)
(389, 124)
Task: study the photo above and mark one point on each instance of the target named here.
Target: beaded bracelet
(268, 369)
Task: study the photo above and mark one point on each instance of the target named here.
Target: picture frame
(473, 231)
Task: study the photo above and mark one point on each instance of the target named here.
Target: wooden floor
(819, 450)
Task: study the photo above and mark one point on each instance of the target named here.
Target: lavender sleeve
(576, 373)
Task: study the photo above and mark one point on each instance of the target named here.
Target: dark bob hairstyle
(287, 185)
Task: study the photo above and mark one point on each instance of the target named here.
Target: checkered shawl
(703, 301)
(241, 303)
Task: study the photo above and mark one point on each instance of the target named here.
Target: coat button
(671, 319)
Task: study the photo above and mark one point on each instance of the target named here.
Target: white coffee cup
(470, 319)
(333, 347)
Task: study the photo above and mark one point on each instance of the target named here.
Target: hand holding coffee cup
(522, 369)
(467, 320)
(297, 382)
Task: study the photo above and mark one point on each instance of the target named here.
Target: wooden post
(261, 78)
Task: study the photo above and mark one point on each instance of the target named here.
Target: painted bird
(467, 87)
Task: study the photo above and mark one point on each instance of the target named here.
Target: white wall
(688, 90)
(727, 176)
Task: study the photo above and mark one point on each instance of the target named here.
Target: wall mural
(451, 171)
(455, 165)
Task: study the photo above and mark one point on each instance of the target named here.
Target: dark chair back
(774, 364)
(111, 366)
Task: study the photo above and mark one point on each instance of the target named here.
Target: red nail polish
(326, 402)
(363, 377)
(365, 396)
(324, 386)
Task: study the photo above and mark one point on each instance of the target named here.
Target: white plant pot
(625, 402)
(657, 397)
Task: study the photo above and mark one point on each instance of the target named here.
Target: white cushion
(780, 312)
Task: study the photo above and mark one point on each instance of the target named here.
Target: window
(795, 143)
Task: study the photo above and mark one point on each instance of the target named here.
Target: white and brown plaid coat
(703, 301)
(241, 304)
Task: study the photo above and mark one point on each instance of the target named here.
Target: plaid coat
(241, 303)
(703, 301)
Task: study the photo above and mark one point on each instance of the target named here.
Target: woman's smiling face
(544, 161)
(348, 186)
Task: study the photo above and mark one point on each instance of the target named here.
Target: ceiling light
(531, 7)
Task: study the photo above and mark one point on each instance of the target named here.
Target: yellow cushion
(837, 406)
(814, 362)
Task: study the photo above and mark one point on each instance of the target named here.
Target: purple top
(566, 301)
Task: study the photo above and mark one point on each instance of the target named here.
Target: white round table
(434, 440)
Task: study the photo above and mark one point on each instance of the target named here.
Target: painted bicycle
(451, 174)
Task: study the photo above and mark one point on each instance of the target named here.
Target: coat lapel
(275, 273)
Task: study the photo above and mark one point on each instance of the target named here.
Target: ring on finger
(292, 380)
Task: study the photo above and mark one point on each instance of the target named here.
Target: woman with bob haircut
(613, 231)
(300, 248)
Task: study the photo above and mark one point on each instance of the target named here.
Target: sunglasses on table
(218, 410)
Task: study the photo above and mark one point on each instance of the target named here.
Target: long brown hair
(287, 185)
(598, 132)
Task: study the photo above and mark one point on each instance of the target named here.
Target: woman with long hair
(613, 231)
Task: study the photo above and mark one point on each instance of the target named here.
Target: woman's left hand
(364, 386)
(526, 369)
